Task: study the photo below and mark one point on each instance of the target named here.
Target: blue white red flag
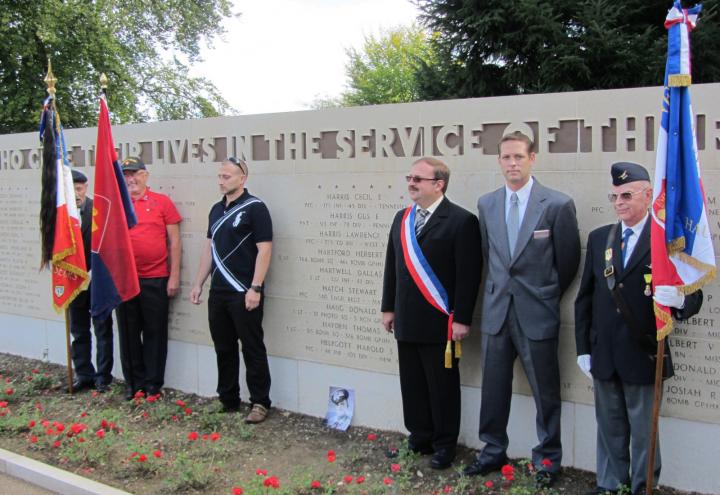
(681, 244)
(425, 279)
(60, 222)
(114, 274)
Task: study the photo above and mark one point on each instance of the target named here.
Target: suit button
(621, 285)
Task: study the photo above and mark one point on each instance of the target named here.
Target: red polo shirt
(149, 239)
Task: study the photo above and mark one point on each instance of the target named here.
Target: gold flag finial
(50, 80)
(103, 81)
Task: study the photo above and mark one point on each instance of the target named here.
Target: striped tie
(420, 220)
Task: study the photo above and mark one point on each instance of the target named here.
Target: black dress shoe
(79, 385)
(130, 393)
(422, 449)
(442, 458)
(153, 391)
(545, 479)
(481, 468)
(102, 387)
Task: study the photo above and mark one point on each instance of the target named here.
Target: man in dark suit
(619, 356)
(433, 247)
(531, 251)
(87, 376)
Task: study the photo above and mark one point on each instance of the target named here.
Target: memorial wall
(333, 180)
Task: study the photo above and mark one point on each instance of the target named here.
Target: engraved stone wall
(333, 180)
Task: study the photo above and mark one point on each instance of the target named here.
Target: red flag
(66, 256)
(115, 278)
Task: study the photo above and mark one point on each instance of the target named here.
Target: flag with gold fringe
(62, 245)
(681, 244)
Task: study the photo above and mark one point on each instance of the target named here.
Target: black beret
(133, 163)
(626, 172)
(79, 176)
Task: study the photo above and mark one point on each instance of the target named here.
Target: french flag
(681, 243)
(114, 275)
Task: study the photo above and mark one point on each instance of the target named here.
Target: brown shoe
(257, 414)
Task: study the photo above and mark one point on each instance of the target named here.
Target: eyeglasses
(415, 179)
(240, 163)
(625, 196)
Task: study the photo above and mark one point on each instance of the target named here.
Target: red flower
(104, 423)
(447, 489)
(174, 418)
(315, 484)
(100, 433)
(31, 424)
(348, 479)
(9, 391)
(56, 443)
(215, 436)
(188, 411)
(83, 414)
(395, 468)
(139, 394)
(145, 415)
(38, 406)
(81, 440)
(372, 436)
(3, 404)
(489, 484)
(59, 426)
(507, 469)
(272, 481)
(546, 463)
(237, 490)
(359, 480)
(134, 454)
(158, 454)
(261, 472)
(152, 398)
(33, 439)
(94, 393)
(142, 458)
(387, 481)
(76, 428)
(182, 404)
(35, 371)
(192, 436)
(331, 456)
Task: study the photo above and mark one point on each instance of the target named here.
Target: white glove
(583, 362)
(669, 295)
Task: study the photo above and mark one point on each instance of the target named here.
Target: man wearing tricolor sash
(432, 274)
(531, 251)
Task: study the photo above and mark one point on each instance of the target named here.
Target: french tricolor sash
(424, 277)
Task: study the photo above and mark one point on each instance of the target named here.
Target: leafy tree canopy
(384, 70)
(501, 47)
(129, 40)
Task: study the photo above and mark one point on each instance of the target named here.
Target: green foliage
(384, 71)
(132, 41)
(496, 47)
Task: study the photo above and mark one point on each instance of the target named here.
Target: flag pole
(650, 475)
(50, 81)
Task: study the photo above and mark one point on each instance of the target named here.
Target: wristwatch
(257, 288)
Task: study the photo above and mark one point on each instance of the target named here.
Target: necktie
(420, 220)
(513, 222)
(626, 237)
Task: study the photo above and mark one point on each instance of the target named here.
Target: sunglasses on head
(240, 163)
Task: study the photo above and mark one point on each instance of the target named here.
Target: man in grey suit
(531, 251)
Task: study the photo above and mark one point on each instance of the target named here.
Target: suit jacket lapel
(496, 225)
(436, 218)
(617, 251)
(641, 248)
(533, 213)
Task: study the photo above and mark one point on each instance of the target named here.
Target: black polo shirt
(235, 229)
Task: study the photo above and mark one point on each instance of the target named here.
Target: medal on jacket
(648, 279)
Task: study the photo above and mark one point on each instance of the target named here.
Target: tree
(137, 43)
(384, 70)
(501, 47)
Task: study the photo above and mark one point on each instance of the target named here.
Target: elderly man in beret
(87, 375)
(615, 332)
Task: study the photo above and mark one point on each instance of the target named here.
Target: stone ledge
(51, 478)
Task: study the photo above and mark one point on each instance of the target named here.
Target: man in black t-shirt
(237, 254)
